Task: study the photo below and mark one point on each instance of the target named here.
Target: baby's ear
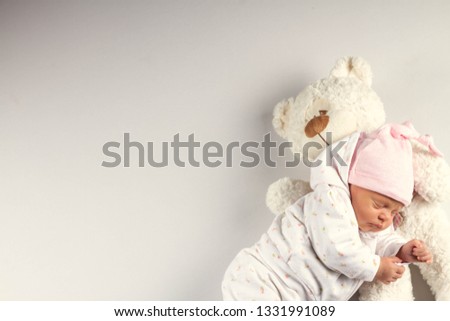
(281, 115)
(353, 67)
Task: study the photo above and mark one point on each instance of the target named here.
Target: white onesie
(314, 250)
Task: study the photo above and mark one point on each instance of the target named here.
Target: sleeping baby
(325, 245)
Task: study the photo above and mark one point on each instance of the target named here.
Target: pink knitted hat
(382, 161)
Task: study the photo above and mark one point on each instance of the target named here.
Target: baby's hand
(389, 271)
(415, 251)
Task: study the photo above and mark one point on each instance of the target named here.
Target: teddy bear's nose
(317, 124)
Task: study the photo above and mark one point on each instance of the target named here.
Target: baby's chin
(362, 227)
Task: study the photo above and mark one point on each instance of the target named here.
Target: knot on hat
(407, 131)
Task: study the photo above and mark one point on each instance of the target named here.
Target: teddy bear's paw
(443, 296)
(284, 192)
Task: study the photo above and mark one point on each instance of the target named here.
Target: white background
(77, 74)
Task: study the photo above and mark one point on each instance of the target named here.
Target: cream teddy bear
(331, 109)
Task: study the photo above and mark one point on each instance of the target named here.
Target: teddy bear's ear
(353, 67)
(431, 175)
(281, 114)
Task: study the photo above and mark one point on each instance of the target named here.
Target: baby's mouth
(377, 226)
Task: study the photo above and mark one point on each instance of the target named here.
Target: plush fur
(352, 105)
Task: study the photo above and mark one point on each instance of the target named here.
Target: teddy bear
(333, 108)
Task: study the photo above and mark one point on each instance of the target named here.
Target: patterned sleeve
(333, 230)
(389, 243)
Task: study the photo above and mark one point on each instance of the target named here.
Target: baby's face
(374, 211)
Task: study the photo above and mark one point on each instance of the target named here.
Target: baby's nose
(383, 216)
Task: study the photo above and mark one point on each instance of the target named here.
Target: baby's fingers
(399, 273)
(420, 251)
(417, 244)
(428, 258)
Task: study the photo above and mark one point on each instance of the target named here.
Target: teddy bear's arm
(428, 222)
(285, 192)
